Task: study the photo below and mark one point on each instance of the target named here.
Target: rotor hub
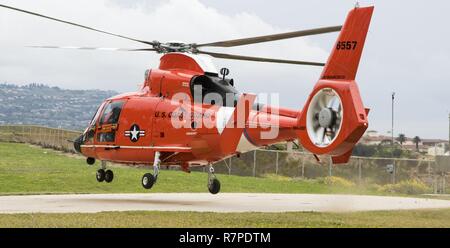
(326, 117)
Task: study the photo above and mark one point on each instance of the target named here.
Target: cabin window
(213, 90)
(111, 113)
(106, 137)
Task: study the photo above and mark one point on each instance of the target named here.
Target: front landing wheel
(214, 186)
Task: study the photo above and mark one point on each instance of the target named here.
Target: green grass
(425, 218)
(26, 169)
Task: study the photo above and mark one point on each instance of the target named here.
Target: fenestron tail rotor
(324, 119)
(193, 48)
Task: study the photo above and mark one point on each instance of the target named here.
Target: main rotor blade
(96, 48)
(273, 37)
(75, 24)
(258, 59)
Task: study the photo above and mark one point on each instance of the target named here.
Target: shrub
(336, 181)
(276, 177)
(410, 187)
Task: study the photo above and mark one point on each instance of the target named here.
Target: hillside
(39, 104)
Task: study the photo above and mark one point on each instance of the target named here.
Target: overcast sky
(407, 50)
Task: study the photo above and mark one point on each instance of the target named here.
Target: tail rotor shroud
(324, 120)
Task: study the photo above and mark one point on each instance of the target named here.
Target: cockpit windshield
(96, 115)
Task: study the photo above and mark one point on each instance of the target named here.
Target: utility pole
(449, 133)
(392, 127)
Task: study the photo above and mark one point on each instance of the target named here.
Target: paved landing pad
(199, 202)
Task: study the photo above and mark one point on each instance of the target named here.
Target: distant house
(372, 137)
(433, 142)
(437, 150)
(432, 147)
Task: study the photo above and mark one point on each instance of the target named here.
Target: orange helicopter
(187, 114)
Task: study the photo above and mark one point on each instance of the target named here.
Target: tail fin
(334, 117)
(344, 59)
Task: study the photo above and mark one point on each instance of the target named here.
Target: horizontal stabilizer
(343, 159)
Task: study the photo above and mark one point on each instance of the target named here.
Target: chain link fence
(359, 170)
(58, 139)
(259, 163)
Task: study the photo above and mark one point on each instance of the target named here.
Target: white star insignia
(134, 134)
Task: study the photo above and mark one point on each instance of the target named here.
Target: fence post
(394, 172)
(61, 145)
(303, 166)
(435, 184)
(443, 183)
(55, 137)
(429, 168)
(359, 171)
(229, 170)
(254, 163)
(330, 168)
(39, 138)
(22, 135)
(43, 135)
(276, 164)
(51, 137)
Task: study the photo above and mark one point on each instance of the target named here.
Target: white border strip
(138, 147)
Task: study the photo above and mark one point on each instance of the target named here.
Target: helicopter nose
(77, 144)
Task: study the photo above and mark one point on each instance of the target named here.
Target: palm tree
(401, 138)
(417, 140)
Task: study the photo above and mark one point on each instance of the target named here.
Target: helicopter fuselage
(130, 128)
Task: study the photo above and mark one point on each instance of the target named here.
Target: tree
(364, 150)
(401, 138)
(417, 140)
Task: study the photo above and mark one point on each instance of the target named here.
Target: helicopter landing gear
(109, 176)
(148, 180)
(104, 176)
(100, 176)
(213, 182)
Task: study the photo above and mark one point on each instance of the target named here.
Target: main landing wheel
(148, 180)
(214, 186)
(109, 176)
(100, 175)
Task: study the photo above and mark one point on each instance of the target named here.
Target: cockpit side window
(111, 113)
